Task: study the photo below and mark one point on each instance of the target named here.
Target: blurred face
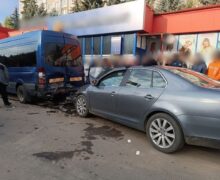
(153, 47)
(187, 44)
(206, 44)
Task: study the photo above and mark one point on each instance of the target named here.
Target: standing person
(199, 64)
(149, 61)
(178, 61)
(4, 79)
(214, 67)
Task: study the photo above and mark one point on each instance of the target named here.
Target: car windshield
(196, 78)
(61, 55)
(97, 72)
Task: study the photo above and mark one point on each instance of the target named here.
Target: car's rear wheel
(164, 133)
(22, 95)
(82, 106)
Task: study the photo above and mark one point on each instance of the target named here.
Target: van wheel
(164, 133)
(22, 95)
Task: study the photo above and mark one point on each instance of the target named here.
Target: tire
(23, 95)
(82, 106)
(164, 133)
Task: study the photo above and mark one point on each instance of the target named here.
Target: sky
(6, 8)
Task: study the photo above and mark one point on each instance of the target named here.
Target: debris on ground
(66, 106)
(52, 111)
(138, 153)
(33, 113)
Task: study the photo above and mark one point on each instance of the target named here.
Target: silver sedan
(173, 106)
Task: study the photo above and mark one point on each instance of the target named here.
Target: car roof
(145, 67)
(155, 67)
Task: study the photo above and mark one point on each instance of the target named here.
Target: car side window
(158, 80)
(140, 78)
(112, 80)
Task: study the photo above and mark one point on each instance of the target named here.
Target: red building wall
(4, 32)
(148, 25)
(196, 20)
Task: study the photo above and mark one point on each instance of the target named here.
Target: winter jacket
(178, 63)
(214, 70)
(201, 68)
(4, 78)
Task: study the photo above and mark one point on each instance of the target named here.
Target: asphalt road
(39, 143)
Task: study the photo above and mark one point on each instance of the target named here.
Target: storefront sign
(124, 17)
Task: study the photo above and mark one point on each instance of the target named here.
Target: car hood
(83, 89)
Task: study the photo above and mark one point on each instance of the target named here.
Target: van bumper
(51, 92)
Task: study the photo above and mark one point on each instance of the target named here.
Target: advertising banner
(187, 43)
(206, 45)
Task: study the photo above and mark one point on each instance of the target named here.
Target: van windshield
(61, 55)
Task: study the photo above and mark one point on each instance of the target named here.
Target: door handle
(113, 93)
(149, 97)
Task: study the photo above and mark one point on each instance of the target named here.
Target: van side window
(158, 80)
(19, 55)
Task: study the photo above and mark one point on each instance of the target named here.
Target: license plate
(57, 85)
(56, 80)
(73, 79)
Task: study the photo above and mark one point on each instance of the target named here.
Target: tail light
(41, 77)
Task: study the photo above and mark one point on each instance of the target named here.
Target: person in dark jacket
(149, 61)
(177, 61)
(4, 80)
(199, 64)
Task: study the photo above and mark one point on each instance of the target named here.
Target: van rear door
(63, 61)
(55, 72)
(74, 66)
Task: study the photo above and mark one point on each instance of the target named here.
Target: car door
(137, 95)
(102, 96)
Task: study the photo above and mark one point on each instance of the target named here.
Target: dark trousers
(4, 94)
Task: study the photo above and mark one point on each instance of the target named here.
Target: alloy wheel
(81, 106)
(162, 133)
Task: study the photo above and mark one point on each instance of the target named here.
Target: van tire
(22, 95)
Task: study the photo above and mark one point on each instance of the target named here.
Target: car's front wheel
(164, 133)
(82, 106)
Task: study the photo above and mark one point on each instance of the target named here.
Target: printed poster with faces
(187, 43)
(206, 45)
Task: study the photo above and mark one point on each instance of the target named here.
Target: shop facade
(132, 30)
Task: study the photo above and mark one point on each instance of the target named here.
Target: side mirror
(94, 82)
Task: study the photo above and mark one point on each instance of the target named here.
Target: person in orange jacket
(214, 67)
